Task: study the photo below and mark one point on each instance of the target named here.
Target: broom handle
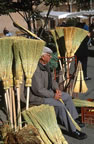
(76, 125)
(74, 79)
(14, 108)
(67, 67)
(27, 101)
(19, 107)
(11, 104)
(61, 67)
(6, 101)
(29, 32)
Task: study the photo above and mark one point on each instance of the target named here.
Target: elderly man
(45, 90)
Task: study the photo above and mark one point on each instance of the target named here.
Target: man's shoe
(79, 135)
(80, 123)
(87, 78)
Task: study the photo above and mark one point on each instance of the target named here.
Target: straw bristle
(83, 103)
(6, 59)
(31, 119)
(30, 52)
(84, 88)
(73, 37)
(58, 35)
(55, 40)
(46, 124)
(77, 86)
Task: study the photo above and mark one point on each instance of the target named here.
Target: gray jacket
(39, 87)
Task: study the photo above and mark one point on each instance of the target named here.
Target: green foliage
(71, 22)
(53, 63)
(5, 7)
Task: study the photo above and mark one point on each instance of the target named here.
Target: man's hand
(57, 94)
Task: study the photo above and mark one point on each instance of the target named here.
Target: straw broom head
(60, 31)
(55, 40)
(60, 40)
(13, 39)
(77, 86)
(48, 122)
(73, 37)
(83, 103)
(18, 71)
(58, 36)
(30, 118)
(6, 59)
(84, 88)
(30, 52)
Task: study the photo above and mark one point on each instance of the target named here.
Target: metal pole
(91, 4)
(70, 5)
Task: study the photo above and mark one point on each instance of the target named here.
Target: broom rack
(65, 76)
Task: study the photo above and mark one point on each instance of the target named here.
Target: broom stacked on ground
(17, 76)
(83, 103)
(58, 36)
(7, 76)
(45, 123)
(6, 60)
(76, 125)
(80, 85)
(30, 52)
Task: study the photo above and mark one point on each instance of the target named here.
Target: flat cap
(46, 50)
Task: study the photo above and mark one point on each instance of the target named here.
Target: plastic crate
(87, 115)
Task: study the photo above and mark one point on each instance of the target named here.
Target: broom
(73, 37)
(83, 103)
(62, 49)
(77, 87)
(6, 58)
(75, 78)
(56, 35)
(18, 77)
(80, 85)
(60, 40)
(31, 119)
(84, 88)
(76, 125)
(25, 30)
(51, 129)
(30, 52)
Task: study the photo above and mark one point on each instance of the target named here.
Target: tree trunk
(29, 25)
(46, 20)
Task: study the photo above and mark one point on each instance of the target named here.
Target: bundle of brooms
(7, 76)
(9, 73)
(68, 40)
(44, 119)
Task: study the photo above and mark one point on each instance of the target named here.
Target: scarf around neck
(46, 68)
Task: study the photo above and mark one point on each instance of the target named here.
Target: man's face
(46, 58)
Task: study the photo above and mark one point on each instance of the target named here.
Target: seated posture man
(45, 90)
